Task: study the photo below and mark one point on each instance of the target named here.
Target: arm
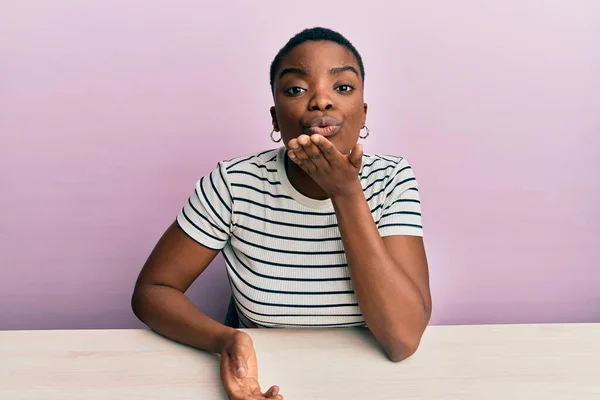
(180, 256)
(390, 276)
(159, 300)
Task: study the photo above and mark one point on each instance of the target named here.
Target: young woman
(314, 233)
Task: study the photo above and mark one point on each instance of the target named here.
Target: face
(318, 89)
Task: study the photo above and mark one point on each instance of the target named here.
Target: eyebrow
(292, 70)
(303, 71)
(339, 70)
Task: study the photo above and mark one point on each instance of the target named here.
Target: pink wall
(110, 110)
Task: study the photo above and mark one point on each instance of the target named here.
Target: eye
(293, 90)
(345, 88)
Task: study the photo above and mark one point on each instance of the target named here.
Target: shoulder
(240, 169)
(251, 170)
(385, 176)
(376, 166)
(259, 162)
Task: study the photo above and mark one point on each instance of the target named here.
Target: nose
(321, 100)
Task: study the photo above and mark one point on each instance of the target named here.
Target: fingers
(257, 395)
(319, 153)
(272, 392)
(254, 397)
(331, 154)
(307, 154)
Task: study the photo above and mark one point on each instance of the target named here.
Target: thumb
(355, 156)
(238, 362)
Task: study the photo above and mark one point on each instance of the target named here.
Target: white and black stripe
(283, 251)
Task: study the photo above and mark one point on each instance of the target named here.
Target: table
(454, 362)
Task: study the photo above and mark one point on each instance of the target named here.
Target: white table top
(453, 362)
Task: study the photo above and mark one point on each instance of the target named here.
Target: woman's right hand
(239, 370)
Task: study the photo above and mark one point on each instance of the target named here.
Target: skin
(299, 97)
(390, 275)
(159, 301)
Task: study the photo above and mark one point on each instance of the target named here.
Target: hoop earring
(366, 134)
(273, 139)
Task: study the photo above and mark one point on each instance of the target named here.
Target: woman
(314, 234)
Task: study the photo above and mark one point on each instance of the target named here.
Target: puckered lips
(323, 125)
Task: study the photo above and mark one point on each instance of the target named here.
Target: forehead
(315, 55)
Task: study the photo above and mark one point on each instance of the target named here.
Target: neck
(302, 182)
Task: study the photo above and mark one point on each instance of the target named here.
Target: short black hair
(314, 34)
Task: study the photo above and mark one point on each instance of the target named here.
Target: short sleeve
(401, 213)
(206, 217)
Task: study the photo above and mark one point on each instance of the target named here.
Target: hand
(333, 171)
(239, 370)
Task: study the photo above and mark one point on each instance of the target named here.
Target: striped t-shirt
(283, 251)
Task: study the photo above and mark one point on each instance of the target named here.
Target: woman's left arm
(389, 274)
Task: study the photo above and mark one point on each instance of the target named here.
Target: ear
(365, 107)
(274, 118)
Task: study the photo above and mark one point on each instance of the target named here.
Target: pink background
(110, 110)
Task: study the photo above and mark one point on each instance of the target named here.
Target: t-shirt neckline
(291, 190)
